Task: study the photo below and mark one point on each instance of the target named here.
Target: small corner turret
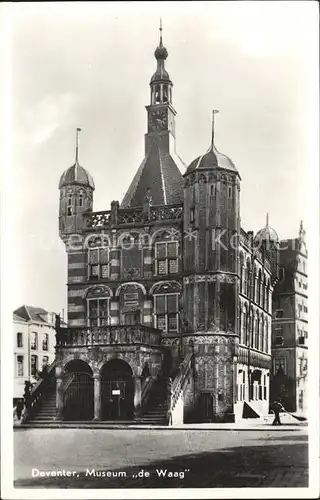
(76, 196)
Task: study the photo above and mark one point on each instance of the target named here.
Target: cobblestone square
(105, 458)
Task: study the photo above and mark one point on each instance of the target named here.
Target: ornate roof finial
(161, 52)
(267, 219)
(160, 29)
(77, 144)
(214, 111)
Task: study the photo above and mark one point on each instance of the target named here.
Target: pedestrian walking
(277, 408)
(19, 408)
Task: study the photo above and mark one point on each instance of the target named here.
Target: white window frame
(99, 264)
(37, 364)
(45, 337)
(17, 365)
(18, 334)
(166, 314)
(36, 341)
(166, 258)
(98, 317)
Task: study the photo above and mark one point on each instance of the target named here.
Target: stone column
(137, 396)
(59, 397)
(97, 396)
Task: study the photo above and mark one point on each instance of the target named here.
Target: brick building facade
(290, 326)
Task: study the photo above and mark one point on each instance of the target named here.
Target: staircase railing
(32, 401)
(178, 385)
(146, 390)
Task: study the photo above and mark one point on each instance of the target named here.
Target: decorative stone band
(218, 277)
(109, 335)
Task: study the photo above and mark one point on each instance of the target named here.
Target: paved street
(195, 458)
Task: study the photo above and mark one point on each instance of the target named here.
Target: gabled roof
(18, 318)
(159, 173)
(30, 313)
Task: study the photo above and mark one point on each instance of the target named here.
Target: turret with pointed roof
(160, 171)
(76, 195)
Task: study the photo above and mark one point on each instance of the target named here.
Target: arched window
(254, 283)
(248, 276)
(165, 93)
(266, 335)
(258, 297)
(70, 207)
(157, 94)
(262, 338)
(268, 295)
(241, 272)
(257, 329)
(245, 326)
(252, 328)
(80, 199)
(98, 306)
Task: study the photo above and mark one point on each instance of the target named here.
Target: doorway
(117, 391)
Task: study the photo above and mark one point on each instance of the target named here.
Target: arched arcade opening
(117, 391)
(78, 391)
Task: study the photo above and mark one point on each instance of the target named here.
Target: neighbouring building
(290, 326)
(169, 298)
(34, 344)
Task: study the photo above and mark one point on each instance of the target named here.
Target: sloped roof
(18, 318)
(30, 313)
(76, 175)
(159, 173)
(211, 159)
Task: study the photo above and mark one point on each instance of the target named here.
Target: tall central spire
(161, 85)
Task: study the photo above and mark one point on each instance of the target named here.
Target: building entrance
(117, 391)
(78, 392)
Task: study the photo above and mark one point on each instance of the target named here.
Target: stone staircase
(46, 412)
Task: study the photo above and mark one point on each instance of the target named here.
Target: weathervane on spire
(267, 219)
(160, 29)
(77, 143)
(214, 112)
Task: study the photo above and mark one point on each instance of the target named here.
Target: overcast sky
(89, 66)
